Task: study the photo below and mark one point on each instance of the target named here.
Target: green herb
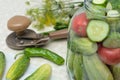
(51, 12)
(115, 4)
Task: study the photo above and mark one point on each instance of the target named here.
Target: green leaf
(50, 12)
(115, 4)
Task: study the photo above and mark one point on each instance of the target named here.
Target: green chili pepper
(44, 53)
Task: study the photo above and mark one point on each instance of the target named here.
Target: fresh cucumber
(96, 69)
(70, 58)
(18, 68)
(116, 71)
(83, 46)
(78, 67)
(42, 73)
(99, 1)
(2, 64)
(97, 30)
(44, 53)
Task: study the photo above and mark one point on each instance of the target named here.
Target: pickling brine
(94, 41)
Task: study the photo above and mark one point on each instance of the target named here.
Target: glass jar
(94, 41)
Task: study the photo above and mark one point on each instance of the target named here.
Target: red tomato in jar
(110, 56)
(79, 24)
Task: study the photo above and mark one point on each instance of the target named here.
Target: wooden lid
(18, 23)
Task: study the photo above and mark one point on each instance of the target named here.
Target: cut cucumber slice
(113, 13)
(98, 1)
(97, 30)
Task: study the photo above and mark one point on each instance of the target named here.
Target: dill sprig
(51, 12)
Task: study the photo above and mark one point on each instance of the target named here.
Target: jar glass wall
(94, 42)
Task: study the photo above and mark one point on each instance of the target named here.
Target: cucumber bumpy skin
(18, 68)
(2, 64)
(44, 53)
(42, 73)
(96, 69)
